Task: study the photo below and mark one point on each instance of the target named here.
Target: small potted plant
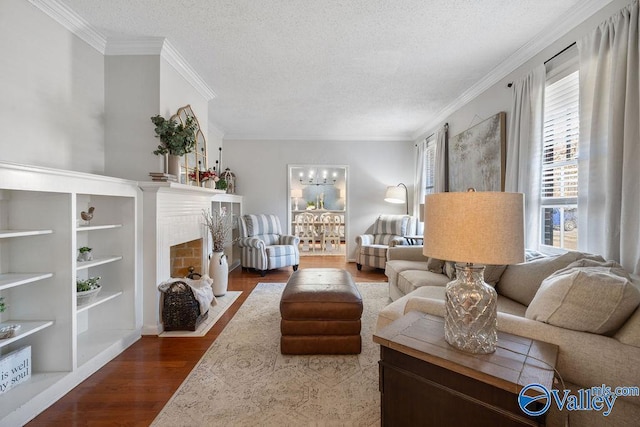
(176, 140)
(221, 184)
(87, 289)
(7, 331)
(85, 254)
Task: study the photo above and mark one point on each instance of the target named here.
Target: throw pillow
(435, 265)
(587, 295)
(520, 282)
(450, 269)
(391, 224)
(492, 273)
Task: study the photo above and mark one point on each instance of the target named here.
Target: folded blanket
(201, 288)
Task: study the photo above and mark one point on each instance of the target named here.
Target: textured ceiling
(332, 69)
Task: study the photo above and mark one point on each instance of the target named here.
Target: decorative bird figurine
(88, 216)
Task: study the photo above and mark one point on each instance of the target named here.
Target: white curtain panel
(609, 151)
(418, 194)
(524, 148)
(441, 161)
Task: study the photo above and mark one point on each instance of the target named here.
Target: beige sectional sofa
(561, 300)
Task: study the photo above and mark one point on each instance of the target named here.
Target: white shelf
(47, 203)
(22, 233)
(22, 396)
(101, 298)
(97, 227)
(93, 343)
(9, 280)
(26, 329)
(97, 261)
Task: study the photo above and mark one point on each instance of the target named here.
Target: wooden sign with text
(15, 368)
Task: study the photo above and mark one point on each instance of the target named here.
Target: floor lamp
(397, 194)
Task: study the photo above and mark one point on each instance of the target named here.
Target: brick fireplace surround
(172, 215)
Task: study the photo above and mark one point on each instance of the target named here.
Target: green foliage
(176, 139)
(221, 184)
(84, 249)
(3, 306)
(88, 284)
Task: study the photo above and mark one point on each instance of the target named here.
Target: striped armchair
(263, 246)
(388, 231)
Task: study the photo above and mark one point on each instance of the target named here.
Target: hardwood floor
(133, 388)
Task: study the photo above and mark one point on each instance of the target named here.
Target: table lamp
(473, 227)
(296, 194)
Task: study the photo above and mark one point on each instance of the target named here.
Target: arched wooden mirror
(197, 159)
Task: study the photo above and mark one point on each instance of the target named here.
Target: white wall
(261, 175)
(52, 93)
(176, 92)
(132, 97)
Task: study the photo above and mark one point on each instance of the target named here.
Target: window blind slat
(560, 139)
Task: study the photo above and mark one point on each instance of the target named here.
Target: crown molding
(163, 47)
(542, 40)
(77, 25)
(173, 57)
(333, 138)
(134, 46)
(73, 22)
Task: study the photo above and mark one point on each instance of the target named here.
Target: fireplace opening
(186, 255)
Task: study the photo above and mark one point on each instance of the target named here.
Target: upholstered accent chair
(388, 231)
(263, 246)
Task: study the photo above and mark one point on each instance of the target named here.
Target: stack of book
(163, 177)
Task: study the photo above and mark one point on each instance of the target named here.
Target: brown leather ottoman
(321, 310)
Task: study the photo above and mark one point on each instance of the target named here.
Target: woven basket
(180, 310)
(86, 297)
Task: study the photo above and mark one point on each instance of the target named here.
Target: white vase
(173, 165)
(219, 272)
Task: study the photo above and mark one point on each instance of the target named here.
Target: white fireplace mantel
(172, 214)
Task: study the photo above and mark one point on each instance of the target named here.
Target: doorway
(317, 209)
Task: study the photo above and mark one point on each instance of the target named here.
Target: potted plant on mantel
(176, 140)
(220, 226)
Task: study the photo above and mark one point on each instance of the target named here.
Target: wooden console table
(425, 381)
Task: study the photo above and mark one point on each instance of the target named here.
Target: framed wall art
(477, 156)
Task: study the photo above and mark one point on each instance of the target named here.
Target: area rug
(243, 380)
(215, 313)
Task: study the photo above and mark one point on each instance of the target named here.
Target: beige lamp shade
(395, 195)
(475, 227)
(297, 193)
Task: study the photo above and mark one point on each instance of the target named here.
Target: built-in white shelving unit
(40, 232)
(232, 204)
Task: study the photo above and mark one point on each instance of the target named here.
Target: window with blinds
(559, 186)
(429, 167)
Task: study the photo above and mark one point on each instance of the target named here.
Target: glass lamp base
(470, 311)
